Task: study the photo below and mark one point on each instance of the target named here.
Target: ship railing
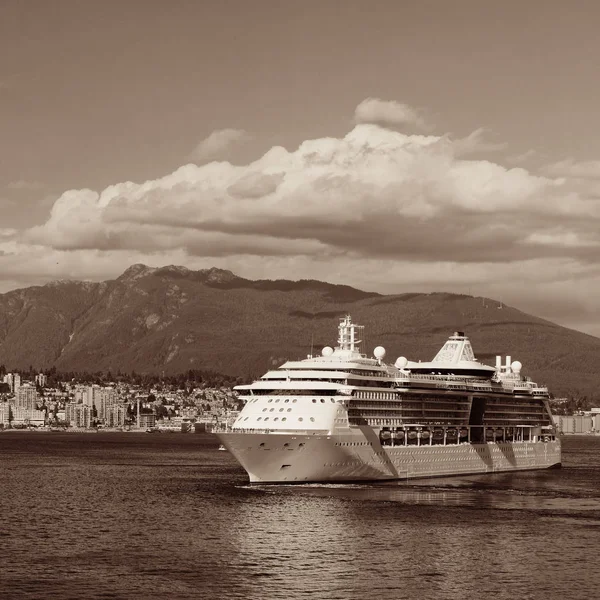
(258, 430)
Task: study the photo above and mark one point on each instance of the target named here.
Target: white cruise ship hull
(300, 458)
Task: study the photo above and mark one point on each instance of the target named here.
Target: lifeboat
(398, 435)
(464, 433)
(385, 435)
(424, 435)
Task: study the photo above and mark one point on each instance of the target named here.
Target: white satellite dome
(516, 366)
(327, 351)
(401, 362)
(379, 352)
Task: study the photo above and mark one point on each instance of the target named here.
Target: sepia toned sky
(392, 146)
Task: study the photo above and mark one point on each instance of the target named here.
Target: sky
(392, 146)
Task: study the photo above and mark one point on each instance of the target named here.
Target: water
(113, 515)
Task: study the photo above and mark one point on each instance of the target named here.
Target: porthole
(281, 410)
(289, 410)
(322, 400)
(276, 419)
(276, 400)
(300, 419)
(294, 401)
(287, 400)
(314, 400)
(264, 410)
(266, 418)
(259, 419)
(270, 399)
(312, 419)
(284, 419)
(332, 400)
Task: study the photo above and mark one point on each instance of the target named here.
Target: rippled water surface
(130, 515)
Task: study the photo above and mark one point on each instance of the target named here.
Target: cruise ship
(344, 416)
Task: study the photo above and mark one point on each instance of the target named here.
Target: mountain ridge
(171, 319)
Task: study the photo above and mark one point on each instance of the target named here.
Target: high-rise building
(26, 396)
(78, 415)
(41, 379)
(14, 381)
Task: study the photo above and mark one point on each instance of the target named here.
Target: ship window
(270, 399)
(281, 410)
(259, 419)
(284, 419)
(266, 418)
(300, 419)
(246, 419)
(289, 410)
(294, 401)
(276, 419)
(277, 400)
(287, 400)
(264, 410)
(314, 399)
(322, 399)
(312, 419)
(271, 409)
(332, 400)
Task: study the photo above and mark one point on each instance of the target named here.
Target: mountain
(173, 319)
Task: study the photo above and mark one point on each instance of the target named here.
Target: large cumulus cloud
(373, 193)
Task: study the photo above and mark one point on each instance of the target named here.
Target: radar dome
(379, 352)
(401, 362)
(327, 351)
(516, 366)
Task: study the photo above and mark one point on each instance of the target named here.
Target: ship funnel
(508, 360)
(498, 363)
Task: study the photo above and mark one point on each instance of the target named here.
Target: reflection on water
(135, 516)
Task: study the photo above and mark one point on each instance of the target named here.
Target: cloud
(517, 159)
(587, 169)
(217, 143)
(21, 184)
(373, 193)
(475, 143)
(388, 113)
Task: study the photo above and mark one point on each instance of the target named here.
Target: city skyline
(391, 147)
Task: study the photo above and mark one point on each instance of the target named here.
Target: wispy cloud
(22, 184)
(517, 159)
(475, 143)
(586, 169)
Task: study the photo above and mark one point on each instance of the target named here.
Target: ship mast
(348, 335)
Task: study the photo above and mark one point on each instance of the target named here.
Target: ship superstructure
(343, 416)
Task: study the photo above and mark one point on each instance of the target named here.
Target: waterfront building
(26, 396)
(18, 415)
(115, 415)
(78, 415)
(5, 413)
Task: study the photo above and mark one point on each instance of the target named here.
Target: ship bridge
(456, 357)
